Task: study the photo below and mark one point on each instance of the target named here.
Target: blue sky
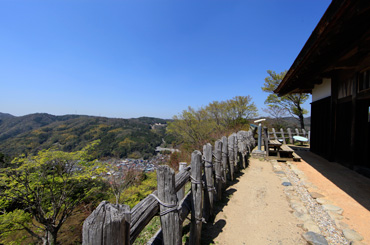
(132, 58)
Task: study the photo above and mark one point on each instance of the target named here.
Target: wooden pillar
(290, 136)
(353, 121)
(283, 136)
(297, 131)
(170, 222)
(197, 197)
(242, 147)
(181, 193)
(304, 132)
(333, 117)
(231, 155)
(107, 224)
(236, 159)
(266, 141)
(218, 167)
(210, 184)
(225, 156)
(274, 133)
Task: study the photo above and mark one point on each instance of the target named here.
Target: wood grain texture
(170, 222)
(197, 197)
(107, 224)
(209, 191)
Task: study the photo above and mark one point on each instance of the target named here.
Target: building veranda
(334, 66)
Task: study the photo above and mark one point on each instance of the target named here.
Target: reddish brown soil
(343, 187)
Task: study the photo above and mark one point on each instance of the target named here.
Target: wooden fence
(287, 136)
(208, 173)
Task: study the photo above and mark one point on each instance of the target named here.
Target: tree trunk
(53, 238)
(117, 199)
(301, 118)
(50, 238)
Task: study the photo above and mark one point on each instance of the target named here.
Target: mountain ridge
(30, 133)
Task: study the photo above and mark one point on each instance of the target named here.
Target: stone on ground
(322, 201)
(298, 207)
(302, 216)
(333, 208)
(316, 195)
(335, 216)
(309, 225)
(314, 238)
(356, 243)
(352, 235)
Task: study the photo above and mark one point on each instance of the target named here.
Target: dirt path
(256, 212)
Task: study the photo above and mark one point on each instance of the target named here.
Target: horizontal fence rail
(287, 135)
(208, 173)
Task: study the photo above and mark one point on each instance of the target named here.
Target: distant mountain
(5, 116)
(294, 123)
(286, 122)
(119, 137)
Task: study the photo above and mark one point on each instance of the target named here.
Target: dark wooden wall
(320, 127)
(363, 134)
(343, 134)
(322, 132)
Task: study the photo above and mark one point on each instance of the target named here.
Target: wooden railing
(288, 134)
(208, 173)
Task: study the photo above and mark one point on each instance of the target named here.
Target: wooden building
(334, 66)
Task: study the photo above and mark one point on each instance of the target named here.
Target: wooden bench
(275, 145)
(285, 151)
(296, 158)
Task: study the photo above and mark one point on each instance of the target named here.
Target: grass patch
(148, 231)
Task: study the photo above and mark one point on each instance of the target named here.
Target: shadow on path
(211, 230)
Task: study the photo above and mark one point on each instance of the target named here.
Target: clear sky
(132, 58)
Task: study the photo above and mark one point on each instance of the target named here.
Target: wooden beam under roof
(341, 40)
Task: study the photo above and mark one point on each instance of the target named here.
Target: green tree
(291, 102)
(192, 127)
(277, 113)
(196, 127)
(217, 111)
(4, 161)
(120, 178)
(240, 108)
(41, 193)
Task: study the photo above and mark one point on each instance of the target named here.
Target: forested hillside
(119, 137)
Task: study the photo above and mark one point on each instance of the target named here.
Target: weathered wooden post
(290, 136)
(266, 141)
(274, 133)
(309, 137)
(242, 147)
(283, 136)
(107, 224)
(236, 160)
(304, 132)
(225, 157)
(297, 131)
(210, 183)
(196, 201)
(170, 222)
(231, 155)
(218, 167)
(181, 193)
(251, 143)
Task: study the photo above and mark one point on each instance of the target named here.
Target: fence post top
(196, 152)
